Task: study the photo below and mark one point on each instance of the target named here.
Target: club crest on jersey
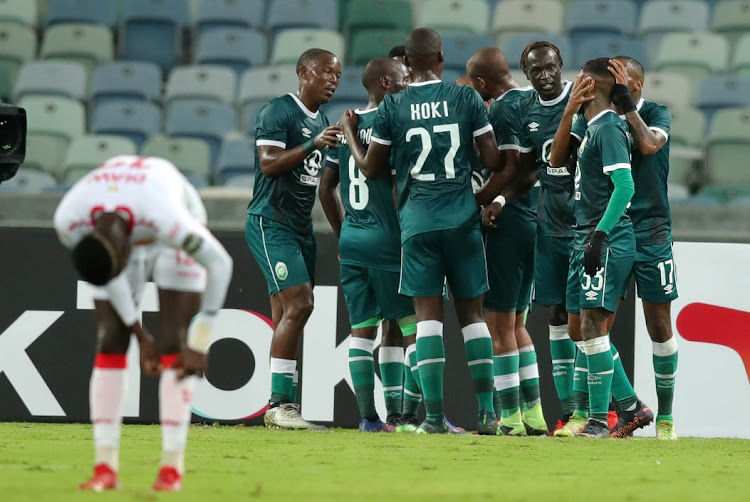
(306, 132)
(533, 127)
(281, 271)
(591, 295)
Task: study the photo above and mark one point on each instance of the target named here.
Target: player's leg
(600, 366)
(506, 380)
(391, 363)
(528, 372)
(412, 385)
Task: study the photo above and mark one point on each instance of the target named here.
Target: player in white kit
(131, 219)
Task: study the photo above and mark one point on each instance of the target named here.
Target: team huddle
(486, 193)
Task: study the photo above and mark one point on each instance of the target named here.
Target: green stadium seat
(686, 143)
(290, 44)
(283, 14)
(377, 14)
(87, 152)
(594, 17)
(668, 88)
(19, 11)
(728, 147)
(695, 55)
(213, 82)
(517, 17)
(262, 84)
(73, 175)
(201, 119)
(659, 18)
(29, 181)
(191, 156)
(455, 16)
(52, 78)
(87, 44)
(44, 153)
(732, 19)
(17, 45)
(367, 44)
(741, 60)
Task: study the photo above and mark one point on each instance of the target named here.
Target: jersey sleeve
(660, 121)
(332, 158)
(272, 124)
(578, 129)
(503, 118)
(615, 148)
(480, 121)
(382, 131)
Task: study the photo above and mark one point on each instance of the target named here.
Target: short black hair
(93, 261)
(539, 44)
(397, 52)
(310, 56)
(421, 44)
(634, 63)
(599, 67)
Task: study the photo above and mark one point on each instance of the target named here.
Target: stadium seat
(203, 120)
(52, 78)
(302, 14)
(250, 116)
(367, 44)
(211, 82)
(658, 18)
(378, 14)
(717, 92)
(52, 123)
(135, 121)
(728, 147)
(261, 84)
(191, 156)
(686, 143)
(22, 12)
(125, 81)
(453, 16)
(239, 180)
(334, 111)
(350, 86)
(732, 19)
(589, 17)
(229, 14)
(102, 12)
(151, 30)
(17, 45)
(515, 44)
(29, 181)
(458, 48)
(44, 153)
(237, 156)
(236, 48)
(595, 46)
(83, 43)
(667, 88)
(290, 44)
(695, 55)
(517, 17)
(741, 60)
(85, 153)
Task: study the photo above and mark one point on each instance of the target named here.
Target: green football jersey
(505, 119)
(370, 236)
(288, 198)
(604, 149)
(538, 121)
(431, 127)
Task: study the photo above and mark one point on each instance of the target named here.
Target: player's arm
(522, 182)
(327, 194)
(565, 141)
(372, 160)
(649, 140)
(276, 160)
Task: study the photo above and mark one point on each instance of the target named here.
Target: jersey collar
(600, 115)
(637, 107)
(510, 90)
(304, 108)
(360, 111)
(552, 102)
(426, 82)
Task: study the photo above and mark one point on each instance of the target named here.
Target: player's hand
(190, 362)
(349, 120)
(328, 137)
(620, 94)
(149, 359)
(592, 255)
(582, 92)
(490, 214)
(619, 70)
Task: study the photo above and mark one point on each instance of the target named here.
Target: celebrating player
(291, 135)
(105, 219)
(430, 129)
(370, 255)
(510, 249)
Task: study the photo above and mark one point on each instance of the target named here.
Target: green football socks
(580, 382)
(601, 367)
(431, 363)
(362, 369)
(528, 372)
(412, 389)
(391, 360)
(478, 346)
(563, 352)
(282, 380)
(665, 368)
(507, 382)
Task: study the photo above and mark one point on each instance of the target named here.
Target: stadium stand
(151, 30)
(514, 45)
(450, 16)
(289, 44)
(216, 83)
(125, 82)
(515, 17)
(695, 55)
(191, 155)
(18, 44)
(23, 12)
(229, 14)
(88, 151)
(96, 12)
(82, 43)
(236, 48)
(52, 78)
(135, 121)
(201, 119)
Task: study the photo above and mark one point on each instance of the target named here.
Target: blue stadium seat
(515, 44)
(334, 111)
(200, 119)
(250, 116)
(350, 86)
(52, 78)
(716, 92)
(125, 82)
(595, 46)
(237, 48)
(237, 156)
(302, 14)
(458, 48)
(589, 17)
(152, 31)
(450, 16)
(136, 121)
(102, 12)
(229, 14)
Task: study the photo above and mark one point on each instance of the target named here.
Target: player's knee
(659, 328)
(300, 309)
(112, 339)
(557, 315)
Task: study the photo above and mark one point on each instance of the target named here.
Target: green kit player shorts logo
(281, 271)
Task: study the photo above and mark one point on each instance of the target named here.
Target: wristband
(199, 332)
(500, 200)
(309, 146)
(621, 96)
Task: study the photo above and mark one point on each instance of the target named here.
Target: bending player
(291, 136)
(104, 219)
(430, 129)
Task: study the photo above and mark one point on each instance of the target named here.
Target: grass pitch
(40, 462)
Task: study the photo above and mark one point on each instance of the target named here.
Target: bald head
(424, 49)
(489, 63)
(375, 69)
(383, 76)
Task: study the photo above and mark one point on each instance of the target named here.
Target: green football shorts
(655, 273)
(551, 260)
(371, 292)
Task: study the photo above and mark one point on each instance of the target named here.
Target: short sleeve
(578, 129)
(271, 126)
(615, 147)
(480, 121)
(382, 132)
(332, 158)
(660, 121)
(504, 120)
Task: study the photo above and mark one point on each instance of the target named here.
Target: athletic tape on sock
(429, 328)
(475, 331)
(665, 349)
(526, 348)
(503, 382)
(391, 355)
(596, 345)
(558, 332)
(283, 365)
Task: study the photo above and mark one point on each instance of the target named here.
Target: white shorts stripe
(268, 259)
